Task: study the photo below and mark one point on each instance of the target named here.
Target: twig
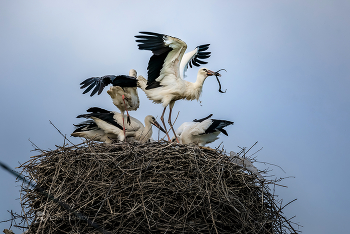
(64, 136)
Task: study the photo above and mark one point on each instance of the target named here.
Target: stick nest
(146, 188)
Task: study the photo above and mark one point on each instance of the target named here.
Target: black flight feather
(97, 110)
(195, 61)
(201, 120)
(218, 125)
(101, 82)
(155, 43)
(86, 126)
(155, 65)
(102, 115)
(223, 131)
(125, 81)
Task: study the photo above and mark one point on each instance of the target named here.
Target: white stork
(201, 132)
(123, 91)
(166, 71)
(89, 130)
(110, 122)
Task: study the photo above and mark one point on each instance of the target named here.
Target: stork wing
(194, 58)
(101, 82)
(218, 125)
(85, 126)
(167, 54)
(125, 81)
(97, 110)
(201, 128)
(182, 127)
(98, 82)
(201, 120)
(106, 117)
(208, 126)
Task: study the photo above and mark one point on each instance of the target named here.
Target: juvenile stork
(201, 132)
(110, 122)
(123, 91)
(89, 130)
(166, 71)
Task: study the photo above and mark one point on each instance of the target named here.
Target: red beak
(211, 73)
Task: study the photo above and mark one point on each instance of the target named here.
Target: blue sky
(287, 81)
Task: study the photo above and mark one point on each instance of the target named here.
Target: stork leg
(162, 119)
(123, 127)
(171, 125)
(127, 113)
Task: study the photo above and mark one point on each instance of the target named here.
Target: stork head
(206, 72)
(152, 120)
(133, 73)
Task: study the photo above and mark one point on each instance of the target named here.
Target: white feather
(185, 61)
(194, 133)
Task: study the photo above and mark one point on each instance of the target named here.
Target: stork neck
(200, 81)
(146, 132)
(194, 90)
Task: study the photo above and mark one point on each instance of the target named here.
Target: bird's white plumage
(96, 135)
(180, 129)
(184, 62)
(194, 133)
(171, 65)
(200, 127)
(174, 88)
(90, 130)
(136, 129)
(201, 132)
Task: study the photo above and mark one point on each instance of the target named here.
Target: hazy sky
(287, 81)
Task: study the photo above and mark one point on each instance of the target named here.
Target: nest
(146, 188)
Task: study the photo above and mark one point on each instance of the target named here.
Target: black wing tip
(223, 131)
(197, 59)
(96, 84)
(203, 47)
(218, 125)
(97, 110)
(153, 85)
(226, 122)
(85, 126)
(204, 53)
(83, 116)
(202, 119)
(149, 33)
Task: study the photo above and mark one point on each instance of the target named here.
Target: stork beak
(155, 123)
(211, 73)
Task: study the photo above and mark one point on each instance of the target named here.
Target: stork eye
(205, 70)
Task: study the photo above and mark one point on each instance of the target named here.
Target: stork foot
(128, 119)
